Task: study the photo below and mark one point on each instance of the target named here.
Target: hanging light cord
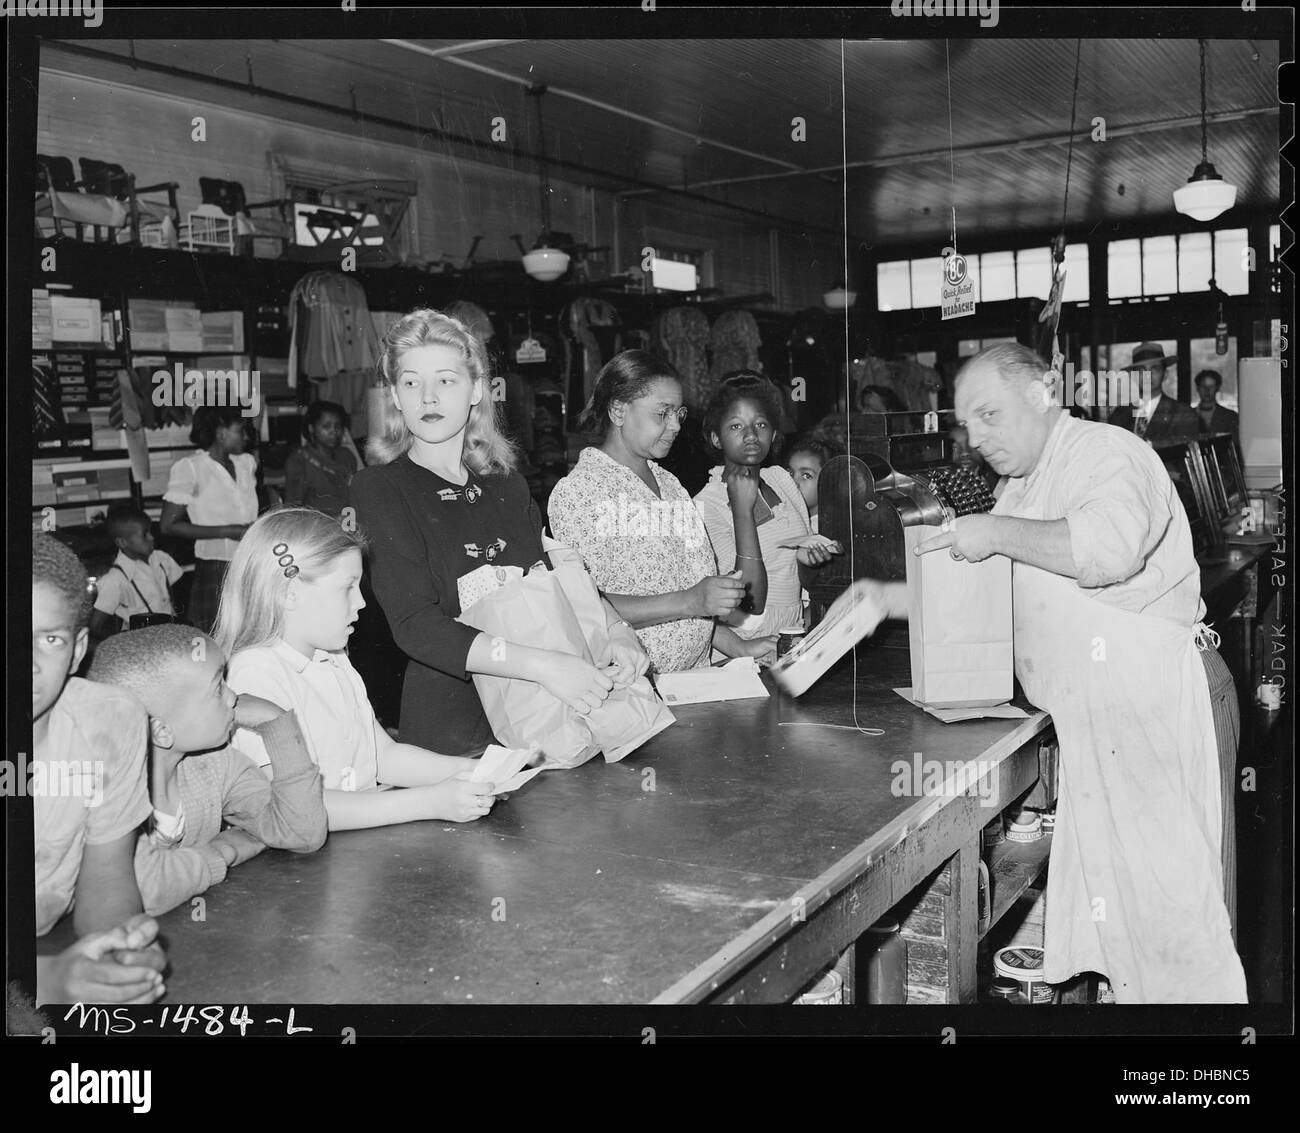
(952, 164)
(1204, 146)
(1069, 159)
(545, 179)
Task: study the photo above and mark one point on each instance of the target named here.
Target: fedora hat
(1148, 354)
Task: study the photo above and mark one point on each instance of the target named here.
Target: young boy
(88, 746)
(140, 580)
(197, 780)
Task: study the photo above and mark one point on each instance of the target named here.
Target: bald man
(1107, 630)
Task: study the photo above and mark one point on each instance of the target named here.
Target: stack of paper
(738, 679)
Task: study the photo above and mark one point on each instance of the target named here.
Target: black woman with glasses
(637, 528)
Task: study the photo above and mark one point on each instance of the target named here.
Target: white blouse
(333, 710)
(635, 543)
(784, 607)
(212, 499)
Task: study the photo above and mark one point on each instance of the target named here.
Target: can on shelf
(1024, 964)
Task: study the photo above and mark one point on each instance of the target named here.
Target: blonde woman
(290, 600)
(440, 500)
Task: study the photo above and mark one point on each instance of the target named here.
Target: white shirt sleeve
(182, 483)
(108, 589)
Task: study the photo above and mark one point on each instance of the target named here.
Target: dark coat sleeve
(404, 580)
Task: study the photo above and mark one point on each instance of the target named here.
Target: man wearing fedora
(1160, 418)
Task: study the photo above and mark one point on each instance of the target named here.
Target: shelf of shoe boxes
(80, 469)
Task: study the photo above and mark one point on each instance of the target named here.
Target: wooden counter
(729, 860)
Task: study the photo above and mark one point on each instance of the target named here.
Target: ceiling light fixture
(544, 263)
(1206, 194)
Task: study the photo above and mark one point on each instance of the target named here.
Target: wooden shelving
(1013, 868)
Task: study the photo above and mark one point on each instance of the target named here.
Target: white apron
(1134, 887)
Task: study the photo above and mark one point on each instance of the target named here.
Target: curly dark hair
(56, 564)
(209, 419)
(750, 386)
(822, 447)
(625, 377)
(317, 409)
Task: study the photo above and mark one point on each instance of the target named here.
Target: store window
(1231, 267)
(894, 286)
(1160, 265)
(927, 282)
(997, 276)
(1194, 261)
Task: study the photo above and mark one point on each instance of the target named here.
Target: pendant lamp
(1206, 194)
(544, 263)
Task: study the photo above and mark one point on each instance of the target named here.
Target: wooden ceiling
(714, 118)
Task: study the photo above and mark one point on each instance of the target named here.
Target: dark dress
(424, 533)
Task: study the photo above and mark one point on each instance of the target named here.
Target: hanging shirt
(134, 587)
(633, 542)
(1135, 889)
(333, 710)
(212, 499)
(784, 607)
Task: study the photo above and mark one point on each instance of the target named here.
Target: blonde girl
(440, 500)
(288, 606)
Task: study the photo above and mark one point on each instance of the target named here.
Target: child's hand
(762, 649)
(237, 846)
(122, 965)
(253, 711)
(458, 800)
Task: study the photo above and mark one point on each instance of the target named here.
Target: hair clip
(285, 559)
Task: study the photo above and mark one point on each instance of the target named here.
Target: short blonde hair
(252, 597)
(487, 449)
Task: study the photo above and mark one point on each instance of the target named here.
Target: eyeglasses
(663, 414)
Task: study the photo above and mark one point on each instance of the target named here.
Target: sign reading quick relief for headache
(958, 289)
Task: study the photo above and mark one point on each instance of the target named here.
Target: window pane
(1194, 262)
(973, 274)
(927, 279)
(1034, 273)
(1229, 267)
(997, 276)
(893, 286)
(1274, 241)
(1159, 265)
(1076, 274)
(1123, 269)
(1225, 365)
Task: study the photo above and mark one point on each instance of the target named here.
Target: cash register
(894, 477)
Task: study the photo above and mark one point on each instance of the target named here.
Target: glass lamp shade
(1205, 195)
(546, 264)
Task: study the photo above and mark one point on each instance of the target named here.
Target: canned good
(787, 640)
(1269, 695)
(1025, 965)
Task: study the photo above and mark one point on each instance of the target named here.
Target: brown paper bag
(959, 626)
(559, 609)
(631, 716)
